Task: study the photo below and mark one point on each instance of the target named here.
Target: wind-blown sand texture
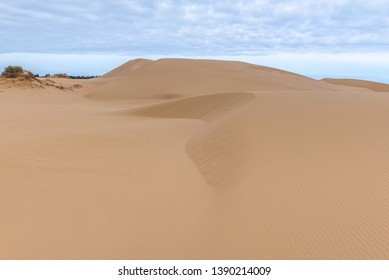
(194, 159)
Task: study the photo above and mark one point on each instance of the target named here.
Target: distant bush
(82, 77)
(12, 71)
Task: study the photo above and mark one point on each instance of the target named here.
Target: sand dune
(127, 68)
(173, 78)
(206, 107)
(219, 160)
(374, 86)
(217, 149)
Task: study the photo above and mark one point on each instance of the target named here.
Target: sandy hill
(194, 159)
(38, 83)
(127, 68)
(19, 82)
(374, 86)
(171, 78)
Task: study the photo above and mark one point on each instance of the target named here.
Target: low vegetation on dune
(17, 76)
(16, 72)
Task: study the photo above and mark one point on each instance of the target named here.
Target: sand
(194, 159)
(374, 86)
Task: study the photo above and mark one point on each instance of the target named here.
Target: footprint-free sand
(194, 159)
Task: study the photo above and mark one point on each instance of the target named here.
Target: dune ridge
(127, 68)
(374, 86)
(206, 107)
(216, 149)
(172, 78)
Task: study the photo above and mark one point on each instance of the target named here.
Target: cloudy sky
(342, 37)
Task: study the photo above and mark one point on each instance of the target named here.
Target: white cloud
(164, 4)
(194, 27)
(134, 6)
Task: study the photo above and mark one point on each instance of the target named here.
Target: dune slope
(374, 86)
(127, 68)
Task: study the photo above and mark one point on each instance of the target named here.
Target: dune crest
(218, 149)
(208, 107)
(128, 68)
(165, 78)
(374, 86)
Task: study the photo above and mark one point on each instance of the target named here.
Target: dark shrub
(12, 71)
